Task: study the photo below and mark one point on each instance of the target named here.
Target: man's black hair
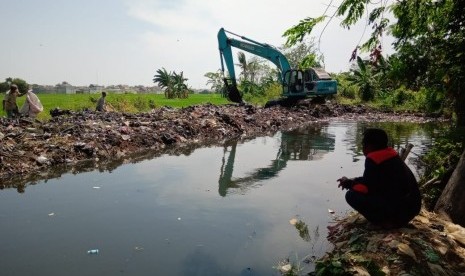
(375, 137)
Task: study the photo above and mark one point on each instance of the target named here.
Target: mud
(32, 150)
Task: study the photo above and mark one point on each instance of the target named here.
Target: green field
(120, 102)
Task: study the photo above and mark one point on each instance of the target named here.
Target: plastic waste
(92, 251)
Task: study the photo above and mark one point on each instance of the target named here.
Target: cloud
(178, 17)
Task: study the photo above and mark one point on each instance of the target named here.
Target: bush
(347, 91)
(263, 94)
(402, 96)
(151, 104)
(140, 104)
(438, 163)
(123, 105)
(344, 88)
(430, 100)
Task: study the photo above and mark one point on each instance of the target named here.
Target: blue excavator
(296, 83)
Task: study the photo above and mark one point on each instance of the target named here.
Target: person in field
(101, 102)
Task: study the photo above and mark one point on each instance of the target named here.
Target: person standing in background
(9, 102)
(101, 102)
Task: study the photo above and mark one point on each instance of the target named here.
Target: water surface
(218, 211)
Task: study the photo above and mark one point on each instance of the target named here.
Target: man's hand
(345, 183)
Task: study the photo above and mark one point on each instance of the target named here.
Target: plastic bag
(32, 106)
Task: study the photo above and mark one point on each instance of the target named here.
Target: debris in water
(93, 251)
(285, 268)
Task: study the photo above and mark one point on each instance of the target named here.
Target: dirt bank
(75, 141)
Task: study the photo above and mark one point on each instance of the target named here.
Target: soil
(31, 150)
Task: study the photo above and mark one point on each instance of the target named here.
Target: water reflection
(302, 228)
(307, 143)
(400, 134)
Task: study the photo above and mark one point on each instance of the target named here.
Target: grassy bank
(120, 102)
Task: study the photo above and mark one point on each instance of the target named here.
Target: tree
(180, 88)
(173, 83)
(243, 65)
(164, 80)
(23, 86)
(451, 203)
(215, 80)
(302, 55)
(364, 79)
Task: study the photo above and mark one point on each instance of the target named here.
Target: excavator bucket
(233, 93)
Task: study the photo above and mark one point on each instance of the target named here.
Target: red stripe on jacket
(361, 188)
(382, 155)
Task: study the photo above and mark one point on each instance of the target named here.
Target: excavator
(296, 83)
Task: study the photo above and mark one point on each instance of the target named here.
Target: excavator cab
(307, 83)
(293, 83)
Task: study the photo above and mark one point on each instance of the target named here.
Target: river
(240, 209)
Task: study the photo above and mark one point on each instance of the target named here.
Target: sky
(111, 42)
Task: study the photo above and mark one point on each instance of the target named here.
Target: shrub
(430, 100)
(140, 104)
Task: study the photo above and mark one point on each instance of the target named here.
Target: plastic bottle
(92, 251)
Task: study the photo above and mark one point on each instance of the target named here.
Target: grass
(132, 103)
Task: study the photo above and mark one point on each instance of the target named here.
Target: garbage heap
(73, 141)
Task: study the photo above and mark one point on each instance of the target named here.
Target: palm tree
(365, 79)
(165, 81)
(179, 86)
(243, 65)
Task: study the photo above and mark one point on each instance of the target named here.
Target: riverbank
(76, 140)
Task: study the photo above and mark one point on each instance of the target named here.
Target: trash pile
(428, 246)
(32, 150)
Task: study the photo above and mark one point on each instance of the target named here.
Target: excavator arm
(266, 51)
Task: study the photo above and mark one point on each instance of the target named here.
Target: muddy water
(219, 211)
